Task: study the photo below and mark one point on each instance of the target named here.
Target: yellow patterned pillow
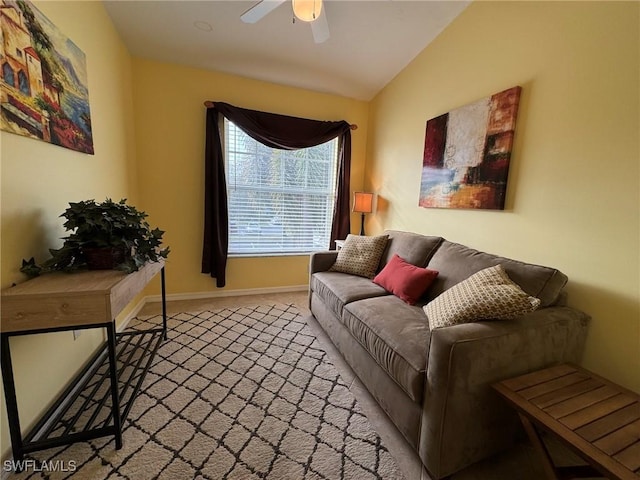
(487, 294)
(360, 255)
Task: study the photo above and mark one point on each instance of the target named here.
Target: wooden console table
(98, 400)
(596, 418)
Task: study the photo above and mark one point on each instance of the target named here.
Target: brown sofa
(435, 385)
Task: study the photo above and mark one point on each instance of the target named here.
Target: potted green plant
(106, 235)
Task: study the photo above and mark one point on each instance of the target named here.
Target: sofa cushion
(487, 294)
(404, 280)
(360, 255)
(396, 335)
(337, 289)
(456, 262)
(414, 248)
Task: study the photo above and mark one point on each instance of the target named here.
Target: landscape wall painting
(43, 86)
(467, 153)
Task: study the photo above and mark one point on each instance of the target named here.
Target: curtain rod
(210, 104)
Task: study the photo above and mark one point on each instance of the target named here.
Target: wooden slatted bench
(596, 418)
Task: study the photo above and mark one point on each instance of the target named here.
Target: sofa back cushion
(414, 248)
(456, 263)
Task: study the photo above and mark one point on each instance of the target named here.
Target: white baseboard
(172, 297)
(132, 314)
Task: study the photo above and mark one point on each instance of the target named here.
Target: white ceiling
(370, 42)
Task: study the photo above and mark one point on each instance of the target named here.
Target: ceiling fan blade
(320, 27)
(260, 10)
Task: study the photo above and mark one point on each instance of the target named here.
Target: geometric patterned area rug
(239, 393)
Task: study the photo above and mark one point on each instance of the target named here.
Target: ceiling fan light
(307, 10)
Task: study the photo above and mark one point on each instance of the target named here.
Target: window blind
(279, 201)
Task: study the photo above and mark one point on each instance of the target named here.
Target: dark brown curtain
(275, 131)
(341, 225)
(216, 219)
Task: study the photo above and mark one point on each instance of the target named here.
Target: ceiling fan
(311, 11)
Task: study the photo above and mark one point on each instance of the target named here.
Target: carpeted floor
(238, 393)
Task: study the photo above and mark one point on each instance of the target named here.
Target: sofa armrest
(322, 261)
(463, 419)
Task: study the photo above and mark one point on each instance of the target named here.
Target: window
(280, 201)
(7, 74)
(23, 83)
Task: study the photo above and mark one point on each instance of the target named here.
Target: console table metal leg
(164, 303)
(10, 397)
(113, 373)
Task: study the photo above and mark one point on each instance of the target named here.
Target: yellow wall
(572, 199)
(38, 181)
(169, 119)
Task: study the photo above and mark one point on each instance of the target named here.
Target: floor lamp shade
(362, 203)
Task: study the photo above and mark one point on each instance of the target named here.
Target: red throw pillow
(405, 280)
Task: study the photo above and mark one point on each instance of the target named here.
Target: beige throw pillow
(360, 255)
(487, 294)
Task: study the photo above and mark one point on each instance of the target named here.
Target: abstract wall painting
(467, 153)
(43, 80)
